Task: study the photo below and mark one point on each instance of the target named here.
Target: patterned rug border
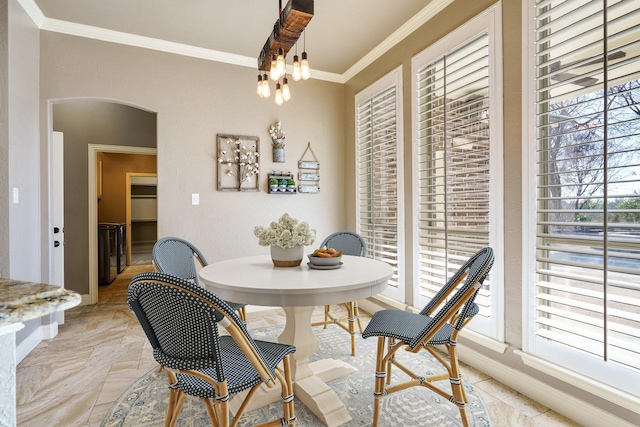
(144, 402)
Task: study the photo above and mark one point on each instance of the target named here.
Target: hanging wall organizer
(309, 175)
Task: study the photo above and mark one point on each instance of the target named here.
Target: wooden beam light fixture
(287, 30)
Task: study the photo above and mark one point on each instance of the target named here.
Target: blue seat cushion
(404, 327)
(239, 372)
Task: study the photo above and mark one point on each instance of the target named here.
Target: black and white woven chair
(349, 243)
(177, 257)
(181, 321)
(438, 324)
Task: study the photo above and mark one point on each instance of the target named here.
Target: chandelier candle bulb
(259, 89)
(286, 92)
(273, 70)
(280, 64)
(266, 90)
(297, 73)
(306, 71)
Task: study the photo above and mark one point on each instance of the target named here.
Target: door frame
(57, 216)
(93, 150)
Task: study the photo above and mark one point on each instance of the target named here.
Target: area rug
(144, 403)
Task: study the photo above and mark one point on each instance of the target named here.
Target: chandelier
(290, 25)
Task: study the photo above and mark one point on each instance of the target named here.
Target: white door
(57, 214)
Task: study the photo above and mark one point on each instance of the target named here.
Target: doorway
(110, 127)
(95, 179)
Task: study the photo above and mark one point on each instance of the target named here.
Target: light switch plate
(195, 199)
(16, 195)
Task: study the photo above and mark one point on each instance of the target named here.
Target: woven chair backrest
(181, 321)
(348, 242)
(177, 257)
(457, 302)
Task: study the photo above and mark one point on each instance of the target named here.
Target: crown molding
(33, 11)
(96, 33)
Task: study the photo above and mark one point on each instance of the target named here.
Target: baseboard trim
(27, 344)
(49, 331)
(561, 402)
(597, 388)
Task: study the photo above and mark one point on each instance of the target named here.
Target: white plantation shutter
(454, 147)
(377, 141)
(586, 302)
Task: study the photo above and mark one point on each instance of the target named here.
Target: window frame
(585, 372)
(489, 21)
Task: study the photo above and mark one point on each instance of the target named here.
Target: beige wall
(449, 19)
(24, 149)
(20, 245)
(195, 100)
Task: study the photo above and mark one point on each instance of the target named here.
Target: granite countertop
(21, 301)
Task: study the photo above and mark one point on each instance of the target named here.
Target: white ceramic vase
(287, 257)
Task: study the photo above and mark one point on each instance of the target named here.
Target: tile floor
(73, 380)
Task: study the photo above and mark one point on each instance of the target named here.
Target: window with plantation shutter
(378, 151)
(456, 134)
(584, 293)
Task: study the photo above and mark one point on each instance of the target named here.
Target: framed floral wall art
(238, 163)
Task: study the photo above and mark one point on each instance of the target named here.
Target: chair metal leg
(222, 411)
(210, 410)
(378, 390)
(178, 407)
(242, 313)
(464, 393)
(356, 312)
(392, 342)
(171, 404)
(463, 416)
(327, 309)
(287, 391)
(172, 400)
(457, 386)
(244, 405)
(351, 319)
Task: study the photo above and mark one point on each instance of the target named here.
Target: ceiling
(342, 35)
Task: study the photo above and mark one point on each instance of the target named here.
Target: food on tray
(326, 253)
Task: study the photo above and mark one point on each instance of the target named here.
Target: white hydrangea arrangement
(287, 233)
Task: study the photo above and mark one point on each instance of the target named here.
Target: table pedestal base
(309, 378)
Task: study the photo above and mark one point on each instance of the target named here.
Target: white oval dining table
(256, 281)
